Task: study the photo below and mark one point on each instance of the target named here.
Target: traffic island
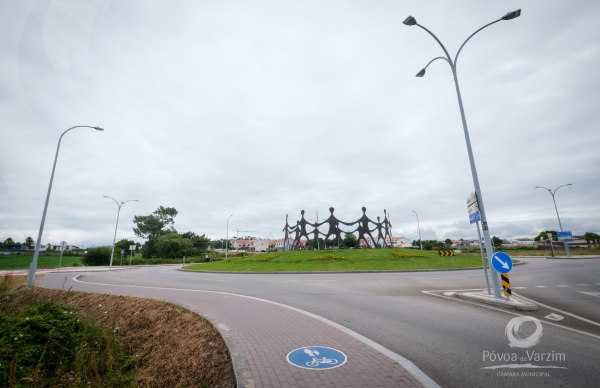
(514, 303)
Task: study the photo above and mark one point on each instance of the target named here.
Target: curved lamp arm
(465, 42)
(568, 184)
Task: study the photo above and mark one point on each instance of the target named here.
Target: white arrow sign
(503, 263)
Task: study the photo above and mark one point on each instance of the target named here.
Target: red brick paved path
(264, 333)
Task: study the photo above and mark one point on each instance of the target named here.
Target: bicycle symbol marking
(316, 357)
(317, 362)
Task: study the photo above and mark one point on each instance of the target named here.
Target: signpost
(131, 249)
(566, 237)
(62, 249)
(474, 218)
(502, 262)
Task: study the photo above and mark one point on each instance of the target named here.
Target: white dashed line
(554, 317)
(562, 285)
(590, 293)
(583, 285)
(540, 286)
(519, 288)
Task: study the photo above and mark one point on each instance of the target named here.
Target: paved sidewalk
(261, 333)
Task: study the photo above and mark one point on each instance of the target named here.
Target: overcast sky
(259, 109)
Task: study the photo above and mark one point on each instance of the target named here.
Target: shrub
(96, 256)
(50, 345)
(173, 245)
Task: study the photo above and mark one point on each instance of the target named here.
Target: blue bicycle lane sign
(316, 357)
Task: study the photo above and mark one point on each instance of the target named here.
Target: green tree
(200, 242)
(166, 215)
(124, 244)
(173, 245)
(591, 237)
(350, 240)
(546, 236)
(448, 242)
(96, 256)
(497, 242)
(149, 228)
(29, 241)
(427, 245)
(8, 242)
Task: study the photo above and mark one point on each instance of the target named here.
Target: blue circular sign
(502, 262)
(316, 357)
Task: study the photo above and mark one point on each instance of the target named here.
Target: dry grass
(172, 346)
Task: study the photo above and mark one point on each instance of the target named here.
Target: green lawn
(354, 260)
(23, 262)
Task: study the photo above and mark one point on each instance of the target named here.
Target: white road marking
(562, 285)
(449, 293)
(540, 286)
(560, 311)
(519, 288)
(506, 311)
(554, 317)
(583, 285)
(590, 293)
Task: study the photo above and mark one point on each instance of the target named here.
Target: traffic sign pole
(487, 281)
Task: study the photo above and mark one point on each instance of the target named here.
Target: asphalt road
(449, 339)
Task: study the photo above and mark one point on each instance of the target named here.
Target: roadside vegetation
(54, 338)
(339, 260)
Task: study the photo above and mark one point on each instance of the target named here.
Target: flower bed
(402, 254)
(266, 258)
(328, 257)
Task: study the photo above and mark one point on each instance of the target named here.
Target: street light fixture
(33, 266)
(112, 252)
(411, 21)
(227, 238)
(419, 226)
(556, 208)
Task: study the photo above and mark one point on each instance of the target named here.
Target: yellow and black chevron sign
(446, 253)
(506, 284)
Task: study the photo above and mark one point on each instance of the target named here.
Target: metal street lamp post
(227, 238)
(112, 252)
(556, 208)
(33, 265)
(419, 226)
(411, 21)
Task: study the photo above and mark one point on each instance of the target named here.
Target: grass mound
(74, 339)
(339, 260)
(45, 344)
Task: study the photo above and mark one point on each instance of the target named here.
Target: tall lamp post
(419, 226)
(33, 266)
(559, 223)
(119, 204)
(411, 21)
(227, 238)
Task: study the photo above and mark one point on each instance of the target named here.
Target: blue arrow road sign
(502, 262)
(316, 357)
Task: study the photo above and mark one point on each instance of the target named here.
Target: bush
(50, 345)
(173, 245)
(96, 256)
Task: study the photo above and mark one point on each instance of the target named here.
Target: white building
(251, 245)
(523, 241)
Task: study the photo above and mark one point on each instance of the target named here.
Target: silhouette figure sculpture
(363, 229)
